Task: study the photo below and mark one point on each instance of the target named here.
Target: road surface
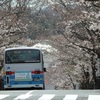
(50, 95)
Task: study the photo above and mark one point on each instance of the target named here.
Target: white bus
(23, 68)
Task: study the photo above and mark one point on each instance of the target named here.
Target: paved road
(50, 95)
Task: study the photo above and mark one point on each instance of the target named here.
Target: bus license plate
(23, 76)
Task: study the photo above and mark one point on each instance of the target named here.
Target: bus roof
(21, 47)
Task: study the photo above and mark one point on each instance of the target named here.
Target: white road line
(70, 97)
(94, 97)
(2, 96)
(46, 97)
(24, 96)
(30, 92)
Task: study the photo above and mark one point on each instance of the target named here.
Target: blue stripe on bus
(4, 77)
(33, 75)
(10, 76)
(17, 83)
(37, 75)
(21, 83)
(24, 82)
(4, 82)
(13, 82)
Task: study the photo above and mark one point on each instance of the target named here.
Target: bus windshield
(22, 56)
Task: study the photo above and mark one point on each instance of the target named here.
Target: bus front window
(22, 56)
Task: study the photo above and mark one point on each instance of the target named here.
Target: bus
(23, 68)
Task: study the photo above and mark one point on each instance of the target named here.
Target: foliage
(73, 27)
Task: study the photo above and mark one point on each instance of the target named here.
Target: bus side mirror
(45, 70)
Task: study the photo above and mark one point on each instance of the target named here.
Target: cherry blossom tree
(82, 31)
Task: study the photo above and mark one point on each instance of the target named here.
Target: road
(50, 95)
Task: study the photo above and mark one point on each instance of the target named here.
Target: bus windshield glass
(22, 56)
